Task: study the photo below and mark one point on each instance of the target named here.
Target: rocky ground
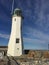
(30, 58)
(23, 61)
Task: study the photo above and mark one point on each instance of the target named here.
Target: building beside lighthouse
(15, 45)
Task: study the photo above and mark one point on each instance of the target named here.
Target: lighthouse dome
(17, 12)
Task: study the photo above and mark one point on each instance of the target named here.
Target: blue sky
(35, 29)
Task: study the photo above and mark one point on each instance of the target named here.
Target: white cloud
(4, 36)
(32, 41)
(42, 13)
(36, 35)
(35, 39)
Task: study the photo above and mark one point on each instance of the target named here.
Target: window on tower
(17, 40)
(15, 19)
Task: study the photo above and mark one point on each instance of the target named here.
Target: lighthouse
(15, 45)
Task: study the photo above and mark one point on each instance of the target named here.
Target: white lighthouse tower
(15, 46)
